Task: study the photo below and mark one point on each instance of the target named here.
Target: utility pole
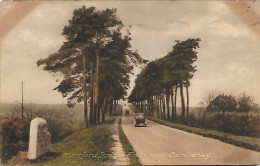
(22, 100)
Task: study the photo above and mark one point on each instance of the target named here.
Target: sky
(228, 57)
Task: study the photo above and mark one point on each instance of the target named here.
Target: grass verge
(241, 141)
(84, 147)
(127, 147)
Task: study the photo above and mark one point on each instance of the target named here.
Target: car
(127, 112)
(140, 120)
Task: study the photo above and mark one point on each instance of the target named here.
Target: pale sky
(228, 57)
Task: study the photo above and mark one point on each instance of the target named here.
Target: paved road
(158, 144)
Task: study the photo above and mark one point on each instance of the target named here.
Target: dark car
(127, 112)
(140, 120)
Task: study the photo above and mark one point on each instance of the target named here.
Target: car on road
(126, 112)
(140, 120)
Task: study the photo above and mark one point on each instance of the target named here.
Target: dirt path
(158, 144)
(119, 158)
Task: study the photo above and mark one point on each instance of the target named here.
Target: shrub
(15, 134)
(60, 130)
(192, 120)
(218, 122)
(232, 124)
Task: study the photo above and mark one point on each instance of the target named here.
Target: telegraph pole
(22, 100)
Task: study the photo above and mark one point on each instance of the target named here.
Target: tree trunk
(187, 91)
(172, 104)
(160, 108)
(182, 102)
(157, 109)
(149, 107)
(85, 93)
(175, 103)
(167, 104)
(142, 106)
(111, 107)
(108, 106)
(99, 113)
(147, 104)
(96, 84)
(153, 105)
(114, 106)
(92, 119)
(163, 100)
(104, 109)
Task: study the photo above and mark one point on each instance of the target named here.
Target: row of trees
(95, 60)
(158, 82)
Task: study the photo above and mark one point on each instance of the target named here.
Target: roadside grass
(127, 147)
(241, 141)
(84, 147)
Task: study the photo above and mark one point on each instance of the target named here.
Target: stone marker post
(40, 138)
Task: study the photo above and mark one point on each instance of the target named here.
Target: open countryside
(93, 85)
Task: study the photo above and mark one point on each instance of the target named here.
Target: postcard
(130, 82)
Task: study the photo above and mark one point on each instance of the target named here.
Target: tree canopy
(223, 103)
(163, 76)
(95, 60)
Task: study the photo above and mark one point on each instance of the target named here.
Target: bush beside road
(241, 141)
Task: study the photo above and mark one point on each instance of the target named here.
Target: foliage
(228, 103)
(73, 149)
(60, 130)
(223, 103)
(161, 78)
(245, 103)
(241, 141)
(96, 61)
(15, 137)
(15, 134)
(15, 131)
(234, 122)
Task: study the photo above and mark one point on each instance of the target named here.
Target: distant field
(196, 111)
(59, 112)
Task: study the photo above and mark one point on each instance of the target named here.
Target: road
(157, 144)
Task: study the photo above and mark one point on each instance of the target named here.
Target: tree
(245, 104)
(185, 55)
(223, 103)
(209, 97)
(93, 43)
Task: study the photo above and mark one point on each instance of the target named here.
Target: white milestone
(40, 139)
